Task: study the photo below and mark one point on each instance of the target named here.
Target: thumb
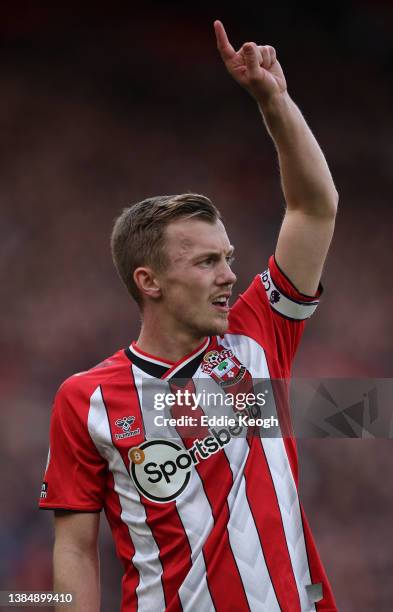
(251, 58)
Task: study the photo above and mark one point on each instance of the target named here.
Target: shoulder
(81, 385)
(273, 313)
(272, 296)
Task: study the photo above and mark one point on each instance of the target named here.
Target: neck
(166, 341)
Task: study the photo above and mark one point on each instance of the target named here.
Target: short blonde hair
(138, 236)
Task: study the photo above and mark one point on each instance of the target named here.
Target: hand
(254, 67)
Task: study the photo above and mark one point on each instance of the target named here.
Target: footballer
(211, 520)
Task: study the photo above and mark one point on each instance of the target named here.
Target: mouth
(221, 304)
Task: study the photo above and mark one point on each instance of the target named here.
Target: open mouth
(221, 304)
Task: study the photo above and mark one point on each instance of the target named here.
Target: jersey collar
(162, 368)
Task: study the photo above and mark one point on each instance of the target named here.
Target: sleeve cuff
(283, 296)
(287, 286)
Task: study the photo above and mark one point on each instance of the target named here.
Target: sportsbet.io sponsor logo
(162, 469)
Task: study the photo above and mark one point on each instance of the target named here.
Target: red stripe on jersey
(175, 552)
(115, 398)
(125, 549)
(222, 574)
(268, 521)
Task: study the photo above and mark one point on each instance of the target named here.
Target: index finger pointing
(224, 46)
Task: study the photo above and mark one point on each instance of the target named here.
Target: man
(200, 523)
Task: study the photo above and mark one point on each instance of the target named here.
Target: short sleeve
(273, 312)
(75, 474)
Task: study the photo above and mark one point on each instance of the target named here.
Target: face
(198, 281)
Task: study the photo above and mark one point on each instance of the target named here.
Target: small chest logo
(223, 367)
(125, 424)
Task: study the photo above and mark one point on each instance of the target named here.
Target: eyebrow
(216, 254)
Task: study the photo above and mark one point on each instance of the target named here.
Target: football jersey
(202, 519)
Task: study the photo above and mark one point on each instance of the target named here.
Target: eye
(207, 262)
(230, 259)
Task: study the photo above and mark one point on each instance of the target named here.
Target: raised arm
(308, 187)
(76, 560)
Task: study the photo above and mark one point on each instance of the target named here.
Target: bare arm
(308, 187)
(310, 195)
(76, 559)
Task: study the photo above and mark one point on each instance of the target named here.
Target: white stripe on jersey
(251, 354)
(146, 560)
(195, 514)
(194, 592)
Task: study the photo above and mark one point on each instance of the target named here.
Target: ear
(147, 282)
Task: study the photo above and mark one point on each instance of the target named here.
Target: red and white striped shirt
(199, 524)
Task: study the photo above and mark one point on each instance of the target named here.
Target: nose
(226, 275)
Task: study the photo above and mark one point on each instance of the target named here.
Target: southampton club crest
(224, 368)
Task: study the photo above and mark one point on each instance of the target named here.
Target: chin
(216, 328)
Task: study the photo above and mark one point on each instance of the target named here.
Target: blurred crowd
(99, 111)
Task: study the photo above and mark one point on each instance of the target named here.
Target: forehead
(188, 237)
